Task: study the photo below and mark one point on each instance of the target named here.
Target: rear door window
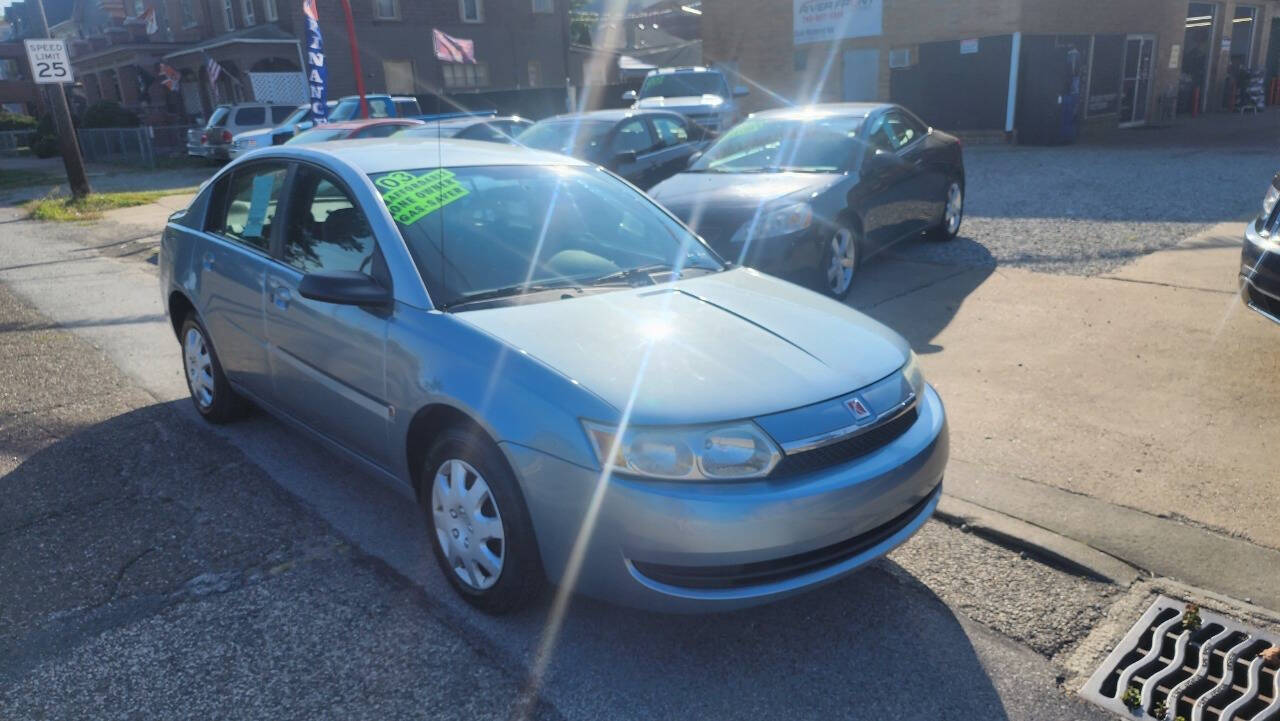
(280, 113)
(671, 131)
(248, 205)
(326, 230)
(251, 116)
(633, 134)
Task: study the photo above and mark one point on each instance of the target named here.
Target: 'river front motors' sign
(819, 21)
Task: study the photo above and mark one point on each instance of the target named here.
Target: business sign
(317, 73)
(49, 61)
(819, 21)
(969, 47)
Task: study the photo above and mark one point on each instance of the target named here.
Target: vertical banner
(317, 74)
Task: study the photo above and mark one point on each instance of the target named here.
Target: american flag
(214, 70)
(453, 50)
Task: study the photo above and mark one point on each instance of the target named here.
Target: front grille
(1178, 660)
(847, 450)
(761, 572)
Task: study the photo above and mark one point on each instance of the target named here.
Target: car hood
(684, 192)
(726, 346)
(701, 102)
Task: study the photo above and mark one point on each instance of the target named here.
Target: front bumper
(826, 523)
(1260, 273)
(790, 256)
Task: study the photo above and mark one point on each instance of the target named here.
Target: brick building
(519, 45)
(997, 65)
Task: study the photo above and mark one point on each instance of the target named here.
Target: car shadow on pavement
(917, 297)
(876, 644)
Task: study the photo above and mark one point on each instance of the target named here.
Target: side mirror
(694, 158)
(629, 96)
(625, 157)
(343, 287)
(741, 91)
(881, 159)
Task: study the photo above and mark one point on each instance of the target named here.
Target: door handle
(280, 296)
(208, 261)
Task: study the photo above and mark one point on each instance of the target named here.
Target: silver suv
(700, 94)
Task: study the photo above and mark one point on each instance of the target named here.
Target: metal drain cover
(1188, 663)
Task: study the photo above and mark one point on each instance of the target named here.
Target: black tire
(823, 280)
(943, 230)
(520, 579)
(221, 404)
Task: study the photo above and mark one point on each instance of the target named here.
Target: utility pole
(76, 176)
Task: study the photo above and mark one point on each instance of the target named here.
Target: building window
(386, 9)
(399, 76)
(250, 18)
(139, 7)
(270, 11)
(187, 12)
(535, 73)
(472, 11)
(228, 15)
(458, 75)
(544, 6)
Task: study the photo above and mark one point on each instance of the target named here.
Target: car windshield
(219, 115)
(297, 116)
(349, 109)
(575, 137)
(318, 135)
(825, 145)
(676, 85)
(492, 230)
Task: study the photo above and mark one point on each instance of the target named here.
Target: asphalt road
(175, 580)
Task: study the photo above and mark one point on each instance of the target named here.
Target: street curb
(1044, 545)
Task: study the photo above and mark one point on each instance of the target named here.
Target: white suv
(698, 93)
(214, 139)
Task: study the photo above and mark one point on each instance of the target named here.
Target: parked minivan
(213, 141)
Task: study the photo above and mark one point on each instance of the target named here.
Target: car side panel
(229, 289)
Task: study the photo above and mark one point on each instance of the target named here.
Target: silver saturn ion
(575, 386)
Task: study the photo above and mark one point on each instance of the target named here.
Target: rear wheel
(840, 257)
(210, 391)
(952, 213)
(478, 525)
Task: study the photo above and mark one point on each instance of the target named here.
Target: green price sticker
(411, 198)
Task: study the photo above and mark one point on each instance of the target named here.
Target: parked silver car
(575, 385)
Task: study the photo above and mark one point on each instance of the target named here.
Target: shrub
(45, 146)
(106, 114)
(13, 121)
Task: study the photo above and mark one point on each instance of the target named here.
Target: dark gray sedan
(643, 147)
(810, 192)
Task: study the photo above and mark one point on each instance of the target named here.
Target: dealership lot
(1069, 354)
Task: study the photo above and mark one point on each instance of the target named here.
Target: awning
(256, 35)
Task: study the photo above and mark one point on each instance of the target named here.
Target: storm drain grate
(1182, 661)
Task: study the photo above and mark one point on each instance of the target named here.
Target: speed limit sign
(50, 63)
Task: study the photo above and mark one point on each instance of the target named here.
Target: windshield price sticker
(411, 198)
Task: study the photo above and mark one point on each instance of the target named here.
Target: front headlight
(911, 371)
(1269, 201)
(686, 453)
(783, 221)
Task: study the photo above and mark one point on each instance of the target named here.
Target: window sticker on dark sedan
(411, 198)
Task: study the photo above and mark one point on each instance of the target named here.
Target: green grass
(94, 205)
(11, 179)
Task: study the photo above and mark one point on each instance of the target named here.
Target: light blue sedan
(575, 386)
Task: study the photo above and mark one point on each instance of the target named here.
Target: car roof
(611, 115)
(684, 69)
(383, 155)
(474, 120)
(823, 110)
(365, 122)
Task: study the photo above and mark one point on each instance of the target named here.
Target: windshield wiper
(631, 275)
(508, 292)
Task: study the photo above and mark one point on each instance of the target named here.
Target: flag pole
(355, 58)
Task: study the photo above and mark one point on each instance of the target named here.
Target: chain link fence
(133, 146)
(15, 142)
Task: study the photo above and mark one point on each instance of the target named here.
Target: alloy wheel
(468, 524)
(199, 367)
(844, 256)
(954, 211)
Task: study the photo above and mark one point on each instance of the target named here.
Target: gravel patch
(1084, 210)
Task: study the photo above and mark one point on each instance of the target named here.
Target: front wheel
(952, 213)
(840, 258)
(478, 525)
